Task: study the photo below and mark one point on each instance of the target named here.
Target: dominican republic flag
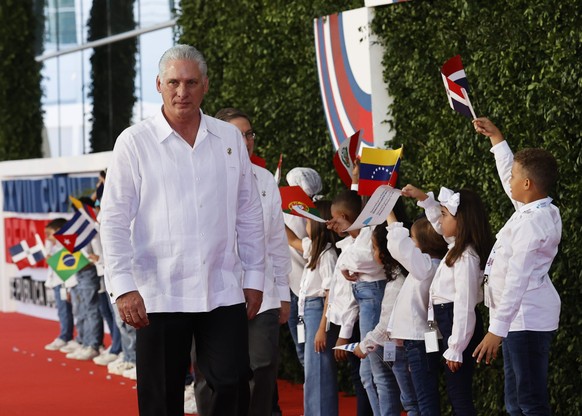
(25, 256)
(457, 87)
(345, 158)
(378, 167)
(77, 232)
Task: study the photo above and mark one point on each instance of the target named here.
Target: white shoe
(84, 354)
(57, 344)
(104, 358)
(71, 346)
(120, 367)
(190, 400)
(190, 407)
(131, 373)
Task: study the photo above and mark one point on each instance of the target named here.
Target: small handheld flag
(347, 347)
(457, 87)
(294, 195)
(77, 232)
(66, 264)
(25, 256)
(278, 171)
(378, 167)
(345, 157)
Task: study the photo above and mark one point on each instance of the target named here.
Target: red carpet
(38, 382)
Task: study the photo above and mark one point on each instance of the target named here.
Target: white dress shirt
(523, 297)
(172, 216)
(277, 259)
(297, 225)
(460, 284)
(357, 256)
(315, 282)
(409, 319)
(341, 296)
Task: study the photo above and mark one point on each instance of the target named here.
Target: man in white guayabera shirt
(181, 220)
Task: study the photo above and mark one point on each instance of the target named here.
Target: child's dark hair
(472, 229)
(427, 239)
(348, 202)
(56, 224)
(391, 266)
(320, 235)
(540, 166)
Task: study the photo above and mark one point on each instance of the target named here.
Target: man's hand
(132, 309)
(253, 298)
(485, 127)
(285, 312)
(487, 348)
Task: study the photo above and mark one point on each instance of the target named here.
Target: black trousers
(163, 355)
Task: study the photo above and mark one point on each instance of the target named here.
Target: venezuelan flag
(378, 167)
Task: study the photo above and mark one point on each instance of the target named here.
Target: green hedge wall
(524, 64)
(20, 91)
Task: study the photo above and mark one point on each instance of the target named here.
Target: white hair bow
(450, 200)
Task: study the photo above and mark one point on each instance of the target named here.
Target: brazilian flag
(66, 264)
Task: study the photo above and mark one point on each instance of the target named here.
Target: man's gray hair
(182, 53)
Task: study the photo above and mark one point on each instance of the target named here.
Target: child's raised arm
(293, 240)
(485, 127)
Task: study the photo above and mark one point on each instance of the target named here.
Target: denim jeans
(460, 383)
(320, 395)
(525, 363)
(362, 401)
(424, 371)
(128, 337)
(65, 313)
(369, 297)
(387, 387)
(292, 323)
(106, 311)
(401, 371)
(89, 321)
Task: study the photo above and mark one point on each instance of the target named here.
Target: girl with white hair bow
(460, 217)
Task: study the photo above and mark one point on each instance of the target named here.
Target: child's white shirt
(341, 297)
(315, 282)
(409, 318)
(460, 284)
(380, 335)
(297, 225)
(357, 256)
(523, 297)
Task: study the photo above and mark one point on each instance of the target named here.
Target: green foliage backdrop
(523, 62)
(261, 59)
(20, 91)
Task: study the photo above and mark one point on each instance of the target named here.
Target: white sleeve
(504, 162)
(404, 251)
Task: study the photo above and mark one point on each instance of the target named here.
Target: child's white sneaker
(57, 344)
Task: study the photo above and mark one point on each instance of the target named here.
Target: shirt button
(111, 294)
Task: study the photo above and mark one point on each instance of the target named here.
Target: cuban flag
(378, 167)
(457, 87)
(25, 256)
(345, 157)
(77, 232)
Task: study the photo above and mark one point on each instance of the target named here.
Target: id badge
(63, 293)
(390, 351)
(301, 332)
(431, 341)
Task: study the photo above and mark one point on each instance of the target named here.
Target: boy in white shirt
(524, 305)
